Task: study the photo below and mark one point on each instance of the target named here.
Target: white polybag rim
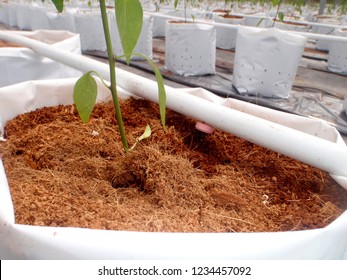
(182, 25)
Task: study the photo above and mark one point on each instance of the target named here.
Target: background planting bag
(89, 26)
(190, 48)
(29, 66)
(62, 21)
(266, 61)
(337, 57)
(40, 242)
(226, 37)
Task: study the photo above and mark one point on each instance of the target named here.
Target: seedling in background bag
(279, 14)
(129, 15)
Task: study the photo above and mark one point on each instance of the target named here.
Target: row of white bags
(86, 22)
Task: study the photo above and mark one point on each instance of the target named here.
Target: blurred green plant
(279, 14)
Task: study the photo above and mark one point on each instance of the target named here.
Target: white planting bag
(159, 26)
(40, 242)
(12, 15)
(190, 48)
(62, 21)
(226, 37)
(323, 44)
(4, 13)
(337, 57)
(266, 61)
(23, 16)
(29, 66)
(89, 26)
(39, 19)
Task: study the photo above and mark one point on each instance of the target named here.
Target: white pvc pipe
(312, 150)
(314, 36)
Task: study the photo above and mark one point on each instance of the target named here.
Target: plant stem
(278, 9)
(111, 61)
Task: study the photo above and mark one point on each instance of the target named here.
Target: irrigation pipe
(313, 36)
(307, 148)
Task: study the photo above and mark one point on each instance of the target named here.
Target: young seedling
(129, 16)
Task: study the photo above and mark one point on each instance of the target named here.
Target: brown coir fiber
(4, 44)
(64, 173)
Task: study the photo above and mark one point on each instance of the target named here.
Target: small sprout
(265, 199)
(146, 134)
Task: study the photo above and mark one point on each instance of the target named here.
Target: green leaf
(280, 16)
(147, 133)
(129, 17)
(59, 5)
(84, 95)
(161, 89)
(176, 4)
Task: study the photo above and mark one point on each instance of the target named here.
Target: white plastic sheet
(29, 66)
(190, 48)
(37, 242)
(266, 61)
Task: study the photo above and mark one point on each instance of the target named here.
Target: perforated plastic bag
(89, 26)
(266, 61)
(190, 48)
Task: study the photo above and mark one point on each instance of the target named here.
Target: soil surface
(65, 173)
(4, 44)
